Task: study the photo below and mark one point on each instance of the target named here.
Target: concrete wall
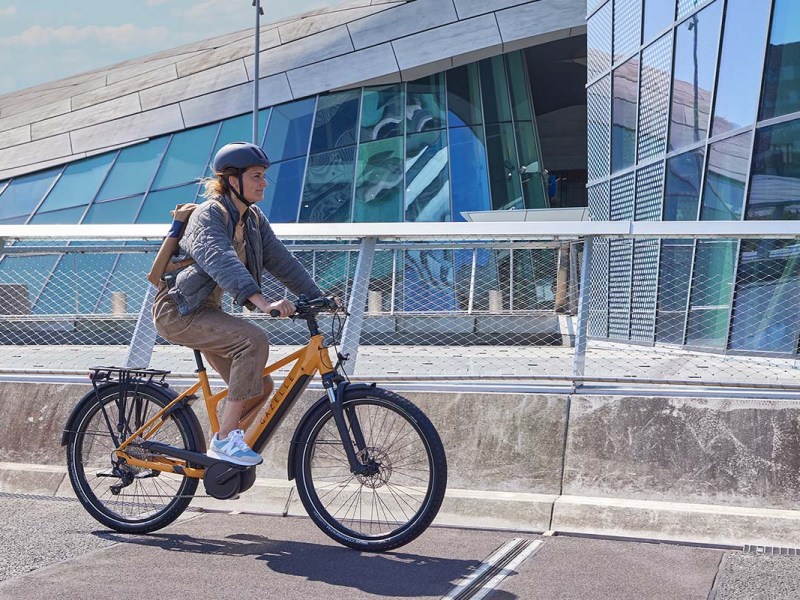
(704, 470)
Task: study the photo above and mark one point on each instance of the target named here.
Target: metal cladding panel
(644, 289)
(627, 27)
(598, 42)
(654, 97)
(622, 198)
(649, 192)
(619, 260)
(599, 125)
(593, 4)
(598, 288)
(599, 202)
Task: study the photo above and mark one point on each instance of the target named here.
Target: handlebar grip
(274, 313)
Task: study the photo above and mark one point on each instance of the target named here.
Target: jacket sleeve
(282, 265)
(210, 246)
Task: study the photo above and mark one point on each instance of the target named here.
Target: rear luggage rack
(128, 375)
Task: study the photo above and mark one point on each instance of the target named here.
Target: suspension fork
(346, 427)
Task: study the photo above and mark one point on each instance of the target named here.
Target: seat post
(198, 358)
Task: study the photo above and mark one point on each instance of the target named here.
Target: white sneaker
(233, 449)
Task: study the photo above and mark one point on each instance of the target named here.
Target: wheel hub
(379, 468)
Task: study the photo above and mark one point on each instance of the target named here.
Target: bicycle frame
(312, 358)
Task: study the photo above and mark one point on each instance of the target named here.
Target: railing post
(579, 361)
(144, 335)
(358, 299)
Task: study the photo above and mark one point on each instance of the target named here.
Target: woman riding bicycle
(226, 246)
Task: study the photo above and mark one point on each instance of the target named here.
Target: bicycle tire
(152, 499)
(394, 506)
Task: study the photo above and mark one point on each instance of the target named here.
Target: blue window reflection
(335, 121)
(23, 194)
(133, 169)
(427, 180)
(186, 156)
(696, 41)
(428, 282)
(66, 216)
(75, 285)
(288, 130)
(282, 198)
(382, 113)
(740, 64)
(470, 178)
(658, 14)
(78, 183)
(782, 74)
(682, 190)
(775, 184)
(726, 174)
(158, 204)
(237, 129)
(117, 211)
(464, 96)
(329, 187)
(379, 182)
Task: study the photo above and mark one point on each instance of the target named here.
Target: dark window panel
(382, 113)
(726, 175)
(186, 156)
(695, 66)
(78, 183)
(518, 86)
(781, 93)
(133, 169)
(425, 103)
(504, 176)
(682, 191)
(379, 182)
(329, 187)
(23, 194)
(288, 130)
(464, 96)
(470, 178)
(766, 310)
(335, 121)
(625, 88)
(531, 171)
(775, 173)
(282, 197)
(740, 64)
(427, 196)
(494, 84)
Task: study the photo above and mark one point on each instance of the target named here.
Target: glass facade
(709, 97)
(426, 150)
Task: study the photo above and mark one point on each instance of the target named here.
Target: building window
(782, 76)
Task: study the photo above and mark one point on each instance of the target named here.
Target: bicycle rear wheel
(399, 499)
(121, 496)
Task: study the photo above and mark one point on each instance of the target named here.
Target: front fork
(347, 426)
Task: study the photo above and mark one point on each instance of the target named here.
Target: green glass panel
(186, 156)
(23, 194)
(673, 288)
(781, 94)
(504, 177)
(78, 183)
(115, 211)
(726, 175)
(425, 103)
(531, 171)
(382, 113)
(158, 204)
(766, 310)
(496, 103)
(464, 96)
(712, 284)
(775, 173)
(379, 182)
(329, 187)
(520, 91)
(133, 169)
(427, 192)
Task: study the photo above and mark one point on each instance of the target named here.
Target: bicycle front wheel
(400, 497)
(121, 496)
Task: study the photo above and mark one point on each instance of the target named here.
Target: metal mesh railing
(704, 310)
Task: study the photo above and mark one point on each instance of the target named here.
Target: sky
(46, 40)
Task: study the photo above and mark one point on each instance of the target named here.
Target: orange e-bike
(368, 465)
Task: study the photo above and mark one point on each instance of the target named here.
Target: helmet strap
(239, 195)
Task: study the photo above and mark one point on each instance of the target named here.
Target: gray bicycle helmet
(240, 156)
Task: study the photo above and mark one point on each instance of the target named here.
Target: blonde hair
(218, 184)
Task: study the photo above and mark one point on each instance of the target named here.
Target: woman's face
(254, 183)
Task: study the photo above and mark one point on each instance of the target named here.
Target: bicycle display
(368, 465)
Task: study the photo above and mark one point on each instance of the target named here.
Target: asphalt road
(50, 548)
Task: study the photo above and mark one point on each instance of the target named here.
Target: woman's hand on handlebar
(281, 308)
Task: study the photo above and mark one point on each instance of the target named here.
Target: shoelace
(236, 438)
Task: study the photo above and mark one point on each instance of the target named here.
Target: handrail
(567, 230)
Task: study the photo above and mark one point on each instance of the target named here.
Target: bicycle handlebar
(304, 306)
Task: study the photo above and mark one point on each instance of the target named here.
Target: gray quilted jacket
(207, 240)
